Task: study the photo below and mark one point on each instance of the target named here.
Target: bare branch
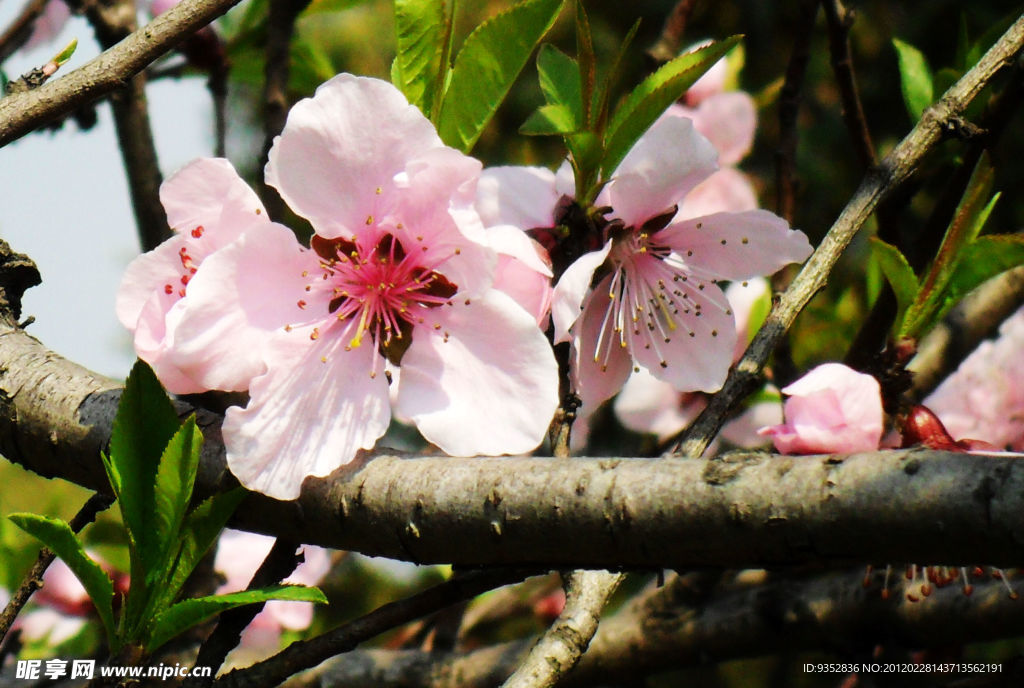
(563, 644)
(23, 112)
(880, 180)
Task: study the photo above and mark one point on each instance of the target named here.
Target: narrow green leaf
(915, 78)
(188, 613)
(968, 220)
(65, 54)
(603, 98)
(58, 536)
(654, 94)
(983, 259)
(491, 58)
(175, 478)
(550, 120)
(202, 526)
(419, 38)
(899, 273)
(587, 62)
(559, 77)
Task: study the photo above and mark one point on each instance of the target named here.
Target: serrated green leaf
(559, 77)
(175, 478)
(971, 214)
(587, 63)
(188, 613)
(550, 120)
(58, 536)
(654, 94)
(201, 528)
(602, 99)
(915, 78)
(419, 38)
(898, 272)
(491, 58)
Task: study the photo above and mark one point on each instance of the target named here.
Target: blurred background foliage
(357, 36)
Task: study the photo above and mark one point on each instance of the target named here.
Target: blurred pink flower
(832, 408)
(208, 206)
(49, 24)
(984, 398)
(399, 272)
(239, 554)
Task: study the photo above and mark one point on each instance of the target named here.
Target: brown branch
(562, 646)
(20, 30)
(309, 653)
(34, 578)
(672, 32)
(664, 630)
(280, 29)
(789, 109)
(880, 181)
(839, 21)
(24, 112)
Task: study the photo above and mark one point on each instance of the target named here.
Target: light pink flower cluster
(648, 298)
(832, 408)
(984, 398)
(400, 274)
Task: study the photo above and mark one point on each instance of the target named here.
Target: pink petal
(522, 272)
(209, 193)
(726, 191)
(646, 404)
(728, 120)
(342, 145)
(743, 431)
(600, 364)
(241, 295)
(49, 24)
(711, 82)
(314, 408)
(572, 288)
(661, 169)
(521, 196)
(735, 246)
(486, 382)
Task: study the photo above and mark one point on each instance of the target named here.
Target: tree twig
(308, 653)
(20, 30)
(563, 644)
(879, 181)
(34, 578)
(839, 21)
(672, 32)
(23, 112)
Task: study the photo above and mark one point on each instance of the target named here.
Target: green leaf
(175, 478)
(58, 536)
(202, 526)
(654, 94)
(65, 54)
(899, 273)
(188, 613)
(559, 77)
(983, 259)
(550, 120)
(915, 78)
(491, 58)
(602, 99)
(420, 37)
(968, 220)
(587, 62)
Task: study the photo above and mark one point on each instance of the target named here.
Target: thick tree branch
(665, 630)
(895, 168)
(23, 112)
(894, 506)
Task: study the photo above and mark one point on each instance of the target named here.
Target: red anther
(1013, 595)
(968, 590)
(926, 590)
(181, 292)
(184, 279)
(912, 597)
(301, 303)
(997, 574)
(885, 593)
(168, 289)
(197, 232)
(978, 572)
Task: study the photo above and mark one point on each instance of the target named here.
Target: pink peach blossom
(208, 206)
(832, 408)
(399, 273)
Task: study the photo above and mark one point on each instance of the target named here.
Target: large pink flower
(832, 408)
(654, 302)
(208, 206)
(399, 273)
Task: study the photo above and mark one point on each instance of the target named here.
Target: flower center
(383, 288)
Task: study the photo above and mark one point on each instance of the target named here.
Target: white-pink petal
(314, 408)
(523, 271)
(567, 300)
(484, 383)
(524, 197)
(209, 193)
(726, 191)
(728, 120)
(336, 160)
(735, 246)
(647, 404)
